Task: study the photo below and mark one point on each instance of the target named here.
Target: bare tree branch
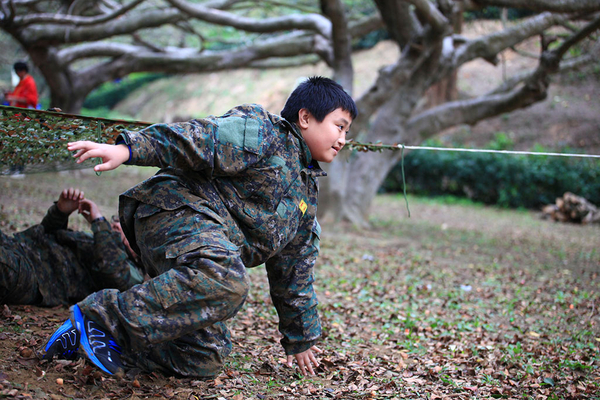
(312, 22)
(503, 99)
(365, 25)
(388, 81)
(489, 46)
(341, 43)
(273, 63)
(470, 111)
(75, 19)
(400, 22)
(184, 60)
(434, 17)
(565, 65)
(59, 34)
(559, 6)
(578, 36)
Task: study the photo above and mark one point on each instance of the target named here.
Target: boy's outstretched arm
(112, 155)
(305, 360)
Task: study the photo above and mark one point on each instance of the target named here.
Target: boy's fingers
(309, 367)
(83, 155)
(107, 166)
(80, 145)
(302, 366)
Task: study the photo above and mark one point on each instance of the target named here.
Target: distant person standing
(25, 94)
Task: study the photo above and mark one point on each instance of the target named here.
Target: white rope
(535, 153)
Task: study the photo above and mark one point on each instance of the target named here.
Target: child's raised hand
(112, 156)
(305, 360)
(89, 210)
(68, 200)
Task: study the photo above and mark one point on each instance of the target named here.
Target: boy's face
(326, 138)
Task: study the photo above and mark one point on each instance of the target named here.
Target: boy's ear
(303, 117)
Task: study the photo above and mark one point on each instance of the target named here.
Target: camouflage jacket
(70, 265)
(252, 171)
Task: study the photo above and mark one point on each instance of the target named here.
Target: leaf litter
(398, 319)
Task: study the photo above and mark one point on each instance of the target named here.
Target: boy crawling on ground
(234, 192)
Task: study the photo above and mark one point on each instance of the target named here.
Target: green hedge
(502, 179)
(110, 93)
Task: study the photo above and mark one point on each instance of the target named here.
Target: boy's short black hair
(320, 96)
(20, 66)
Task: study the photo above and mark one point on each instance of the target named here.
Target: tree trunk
(66, 91)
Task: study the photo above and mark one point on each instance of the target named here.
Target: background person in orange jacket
(25, 94)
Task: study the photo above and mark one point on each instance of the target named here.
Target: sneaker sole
(84, 341)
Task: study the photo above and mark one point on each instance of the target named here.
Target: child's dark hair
(319, 96)
(20, 66)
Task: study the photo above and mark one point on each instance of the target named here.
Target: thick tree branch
(505, 98)
(471, 111)
(343, 71)
(385, 87)
(76, 20)
(273, 63)
(578, 36)
(312, 22)
(400, 22)
(565, 65)
(183, 60)
(559, 6)
(58, 34)
(432, 15)
(489, 46)
(102, 49)
(365, 25)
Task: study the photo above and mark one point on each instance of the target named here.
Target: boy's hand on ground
(68, 200)
(112, 156)
(305, 360)
(89, 210)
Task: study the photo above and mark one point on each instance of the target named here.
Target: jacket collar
(307, 161)
(304, 150)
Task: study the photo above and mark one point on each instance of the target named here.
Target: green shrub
(110, 93)
(528, 181)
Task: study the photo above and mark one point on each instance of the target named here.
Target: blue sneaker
(99, 345)
(64, 343)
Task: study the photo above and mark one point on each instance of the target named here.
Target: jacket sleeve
(218, 146)
(291, 280)
(112, 267)
(55, 220)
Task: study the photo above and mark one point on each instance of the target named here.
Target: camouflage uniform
(49, 265)
(235, 192)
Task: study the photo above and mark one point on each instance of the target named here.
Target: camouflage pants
(18, 281)
(175, 322)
